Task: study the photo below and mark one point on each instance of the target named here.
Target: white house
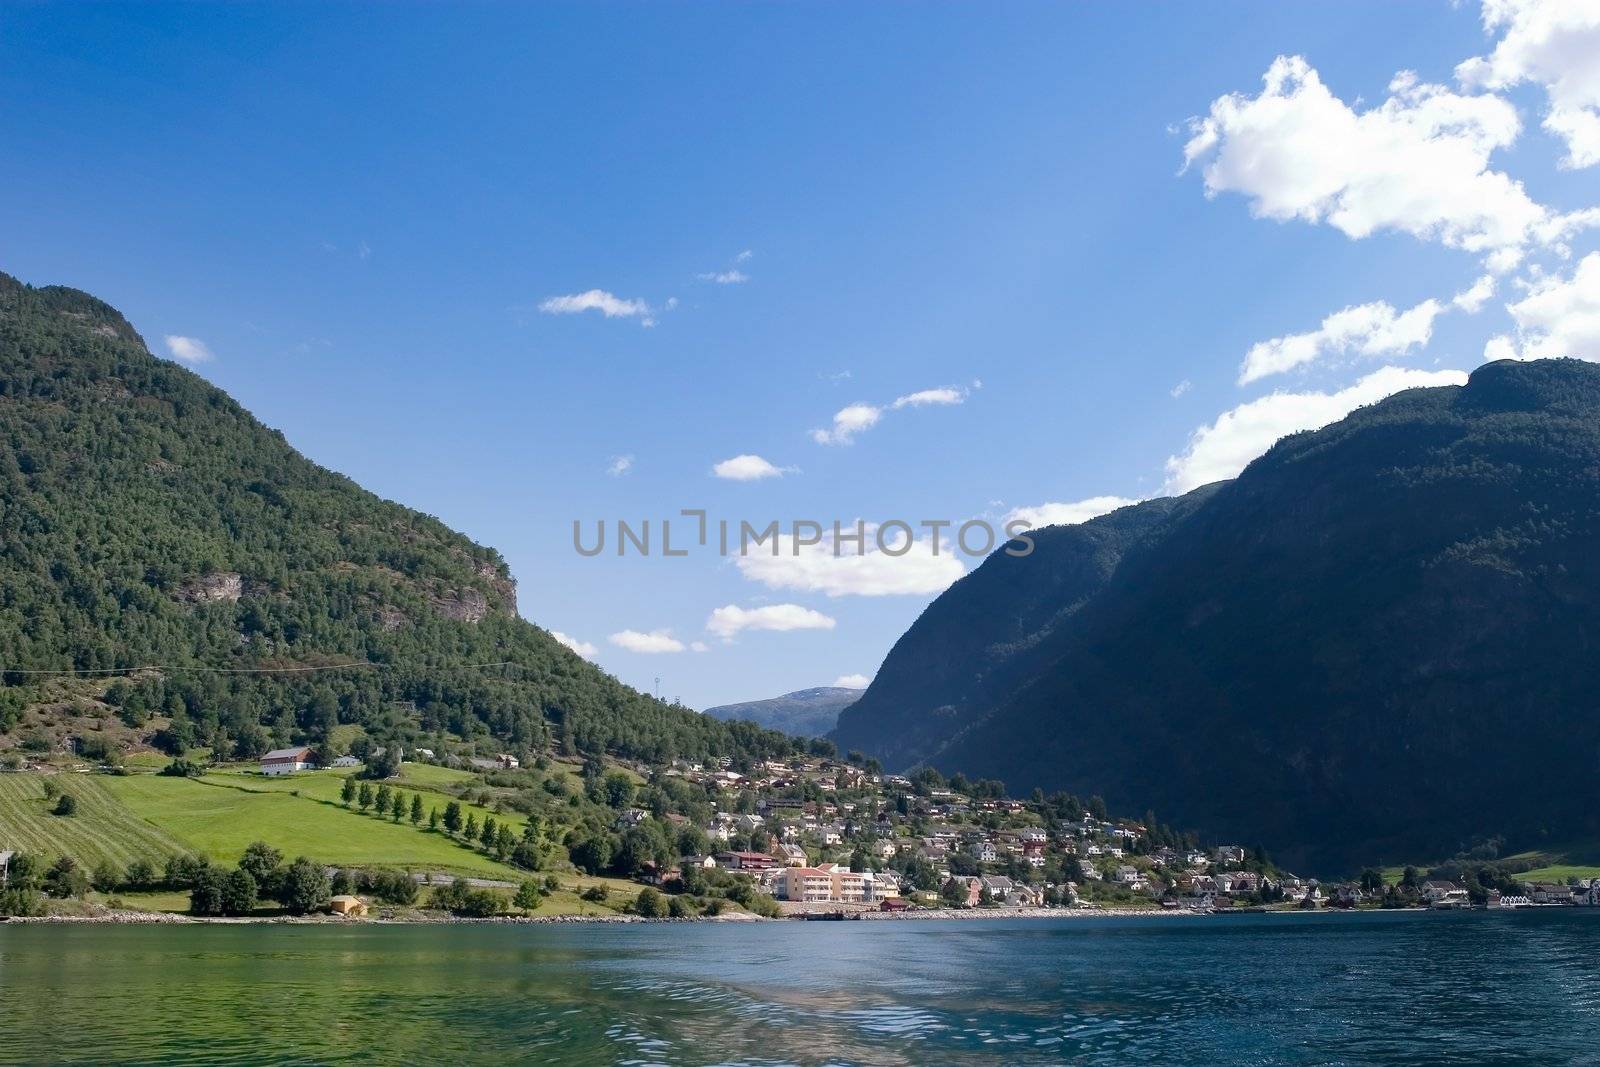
(287, 760)
(1444, 895)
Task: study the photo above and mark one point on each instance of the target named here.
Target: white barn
(287, 760)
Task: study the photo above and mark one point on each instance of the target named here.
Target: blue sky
(360, 222)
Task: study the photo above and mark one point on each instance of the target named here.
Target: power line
(256, 670)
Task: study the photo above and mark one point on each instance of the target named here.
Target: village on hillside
(816, 836)
(841, 836)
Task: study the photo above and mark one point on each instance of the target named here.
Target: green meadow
(221, 814)
(104, 828)
(151, 816)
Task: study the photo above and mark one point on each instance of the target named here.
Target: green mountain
(146, 518)
(804, 713)
(1000, 619)
(1380, 640)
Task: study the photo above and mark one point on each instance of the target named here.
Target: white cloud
(620, 465)
(1558, 317)
(852, 681)
(926, 397)
(188, 349)
(1418, 163)
(856, 418)
(1555, 43)
(608, 304)
(731, 276)
(699, 646)
(724, 277)
(847, 422)
(728, 622)
(652, 643)
(582, 648)
(748, 468)
(1472, 298)
(1226, 447)
(1067, 514)
(1181, 388)
(816, 569)
(1373, 330)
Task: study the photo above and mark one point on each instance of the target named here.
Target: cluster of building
(816, 819)
(829, 832)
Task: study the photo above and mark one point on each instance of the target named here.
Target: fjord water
(1338, 989)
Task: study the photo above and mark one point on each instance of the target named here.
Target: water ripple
(1367, 989)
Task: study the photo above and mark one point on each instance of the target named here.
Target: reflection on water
(1412, 989)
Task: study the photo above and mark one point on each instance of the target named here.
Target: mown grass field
(429, 781)
(221, 815)
(1556, 863)
(1560, 872)
(150, 816)
(103, 828)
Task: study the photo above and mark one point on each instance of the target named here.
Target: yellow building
(348, 906)
(825, 883)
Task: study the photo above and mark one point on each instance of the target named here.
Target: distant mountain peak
(804, 713)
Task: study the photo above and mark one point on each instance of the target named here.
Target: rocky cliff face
(210, 588)
(465, 605)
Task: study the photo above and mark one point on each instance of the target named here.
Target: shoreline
(143, 918)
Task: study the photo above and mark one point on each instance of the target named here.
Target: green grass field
(1556, 863)
(103, 828)
(222, 814)
(150, 816)
(427, 780)
(1560, 872)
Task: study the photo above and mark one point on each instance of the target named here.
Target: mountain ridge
(803, 713)
(1369, 614)
(152, 520)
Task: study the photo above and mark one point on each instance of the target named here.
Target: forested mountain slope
(1380, 640)
(146, 518)
(999, 619)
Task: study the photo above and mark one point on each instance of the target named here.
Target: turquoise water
(1434, 988)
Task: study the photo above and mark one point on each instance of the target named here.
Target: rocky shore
(139, 918)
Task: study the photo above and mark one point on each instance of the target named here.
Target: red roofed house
(287, 761)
